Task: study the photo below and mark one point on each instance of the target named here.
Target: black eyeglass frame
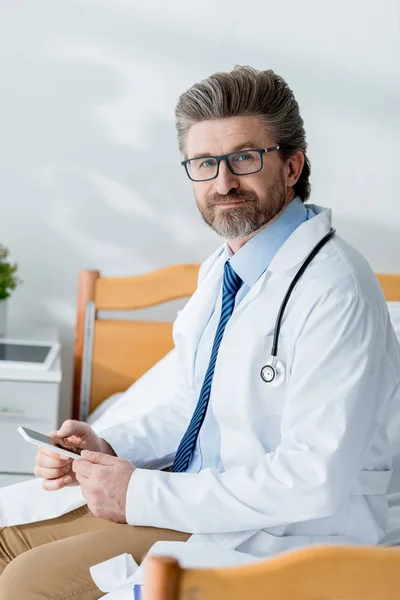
(225, 157)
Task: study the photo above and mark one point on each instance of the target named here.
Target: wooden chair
(313, 573)
(110, 355)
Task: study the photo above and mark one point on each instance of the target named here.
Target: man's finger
(52, 461)
(83, 468)
(50, 473)
(98, 458)
(75, 440)
(55, 455)
(51, 485)
(68, 428)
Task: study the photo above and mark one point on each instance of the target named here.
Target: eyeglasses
(244, 162)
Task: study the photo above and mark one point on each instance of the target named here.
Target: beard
(244, 219)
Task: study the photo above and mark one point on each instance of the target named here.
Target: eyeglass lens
(241, 163)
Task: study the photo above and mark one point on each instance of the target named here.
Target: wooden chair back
(390, 284)
(313, 573)
(111, 354)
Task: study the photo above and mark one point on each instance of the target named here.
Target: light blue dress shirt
(249, 263)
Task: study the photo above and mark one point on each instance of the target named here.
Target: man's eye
(244, 157)
(207, 163)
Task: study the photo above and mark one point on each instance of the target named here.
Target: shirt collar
(255, 256)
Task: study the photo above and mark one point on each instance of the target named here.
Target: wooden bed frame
(110, 355)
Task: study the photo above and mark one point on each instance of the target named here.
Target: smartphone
(39, 439)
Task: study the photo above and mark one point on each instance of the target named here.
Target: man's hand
(104, 482)
(55, 468)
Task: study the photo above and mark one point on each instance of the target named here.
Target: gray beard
(234, 224)
(245, 219)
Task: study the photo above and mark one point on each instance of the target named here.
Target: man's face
(236, 206)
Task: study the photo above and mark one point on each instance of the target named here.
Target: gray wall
(89, 168)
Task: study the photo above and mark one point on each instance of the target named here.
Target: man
(259, 465)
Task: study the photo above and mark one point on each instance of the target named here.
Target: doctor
(269, 452)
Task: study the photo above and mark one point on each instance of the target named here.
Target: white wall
(89, 169)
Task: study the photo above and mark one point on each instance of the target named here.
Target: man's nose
(226, 181)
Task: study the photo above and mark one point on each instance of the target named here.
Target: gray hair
(247, 91)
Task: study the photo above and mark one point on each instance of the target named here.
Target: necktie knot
(232, 281)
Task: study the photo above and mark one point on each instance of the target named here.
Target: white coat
(307, 462)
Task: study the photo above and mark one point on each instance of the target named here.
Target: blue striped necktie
(230, 287)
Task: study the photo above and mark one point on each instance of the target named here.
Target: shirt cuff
(140, 498)
(135, 494)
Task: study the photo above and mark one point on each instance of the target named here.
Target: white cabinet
(30, 398)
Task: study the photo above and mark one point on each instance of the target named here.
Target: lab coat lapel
(303, 240)
(190, 323)
(292, 252)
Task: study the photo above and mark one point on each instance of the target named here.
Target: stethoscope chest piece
(273, 374)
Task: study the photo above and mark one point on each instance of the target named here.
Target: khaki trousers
(50, 560)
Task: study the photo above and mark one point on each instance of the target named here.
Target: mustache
(239, 196)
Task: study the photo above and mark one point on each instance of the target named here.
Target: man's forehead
(221, 136)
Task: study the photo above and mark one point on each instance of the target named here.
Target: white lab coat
(305, 463)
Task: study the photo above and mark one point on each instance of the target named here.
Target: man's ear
(294, 166)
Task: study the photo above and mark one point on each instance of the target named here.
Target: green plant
(8, 277)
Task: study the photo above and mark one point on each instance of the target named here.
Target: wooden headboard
(110, 355)
(390, 284)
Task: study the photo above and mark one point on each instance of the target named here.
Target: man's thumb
(98, 458)
(69, 428)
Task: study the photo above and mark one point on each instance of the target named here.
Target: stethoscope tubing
(307, 261)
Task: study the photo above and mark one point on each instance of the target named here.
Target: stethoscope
(274, 371)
